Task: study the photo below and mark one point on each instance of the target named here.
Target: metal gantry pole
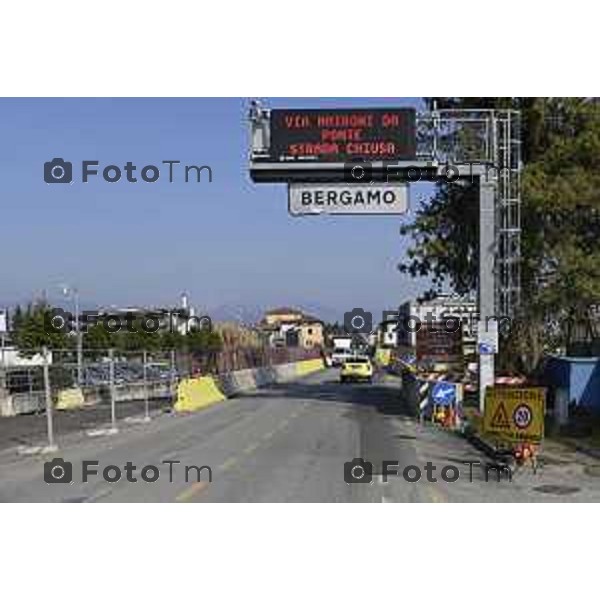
(486, 279)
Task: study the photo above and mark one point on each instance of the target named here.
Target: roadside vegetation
(560, 228)
(30, 333)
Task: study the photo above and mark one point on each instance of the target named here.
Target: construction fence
(95, 376)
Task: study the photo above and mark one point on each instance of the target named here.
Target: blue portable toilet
(577, 377)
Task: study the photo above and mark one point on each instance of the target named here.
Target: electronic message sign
(437, 344)
(343, 135)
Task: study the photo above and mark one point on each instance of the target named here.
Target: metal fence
(109, 377)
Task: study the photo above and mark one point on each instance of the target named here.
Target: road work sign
(515, 414)
(349, 199)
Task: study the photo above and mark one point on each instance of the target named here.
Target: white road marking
(102, 431)
(25, 450)
(379, 480)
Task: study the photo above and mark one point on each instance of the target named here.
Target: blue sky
(231, 242)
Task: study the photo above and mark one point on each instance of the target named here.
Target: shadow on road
(383, 396)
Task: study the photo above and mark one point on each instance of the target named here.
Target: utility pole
(74, 293)
(49, 408)
(79, 341)
(146, 407)
(113, 391)
(172, 377)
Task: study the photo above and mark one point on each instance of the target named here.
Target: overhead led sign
(343, 135)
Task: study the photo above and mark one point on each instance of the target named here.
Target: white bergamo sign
(348, 199)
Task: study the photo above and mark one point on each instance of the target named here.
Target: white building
(181, 320)
(387, 334)
(10, 357)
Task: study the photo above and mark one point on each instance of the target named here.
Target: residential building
(284, 314)
(291, 327)
(310, 333)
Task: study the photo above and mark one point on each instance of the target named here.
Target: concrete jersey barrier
(247, 380)
(238, 382)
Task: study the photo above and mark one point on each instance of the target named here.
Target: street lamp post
(74, 293)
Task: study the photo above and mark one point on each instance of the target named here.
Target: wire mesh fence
(121, 384)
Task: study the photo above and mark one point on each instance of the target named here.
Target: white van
(340, 355)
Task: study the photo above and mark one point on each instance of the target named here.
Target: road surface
(289, 443)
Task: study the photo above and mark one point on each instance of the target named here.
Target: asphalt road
(289, 443)
(31, 429)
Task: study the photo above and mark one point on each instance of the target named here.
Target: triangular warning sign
(500, 418)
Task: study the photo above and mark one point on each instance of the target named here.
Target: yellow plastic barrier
(196, 394)
(304, 367)
(69, 399)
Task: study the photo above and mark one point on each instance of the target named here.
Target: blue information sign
(443, 393)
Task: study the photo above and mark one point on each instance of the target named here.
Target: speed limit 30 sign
(522, 416)
(515, 414)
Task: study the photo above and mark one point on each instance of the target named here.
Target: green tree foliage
(445, 239)
(203, 341)
(560, 222)
(172, 340)
(31, 330)
(97, 338)
(331, 329)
